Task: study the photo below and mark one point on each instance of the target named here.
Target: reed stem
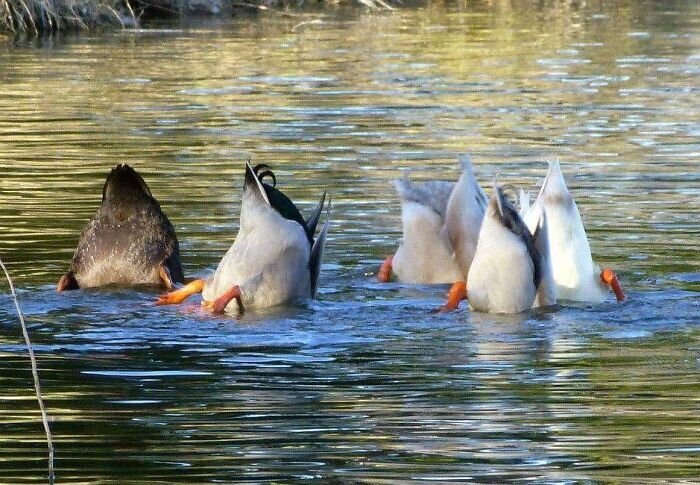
(35, 374)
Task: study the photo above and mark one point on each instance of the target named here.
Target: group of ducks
(512, 260)
(274, 259)
(502, 260)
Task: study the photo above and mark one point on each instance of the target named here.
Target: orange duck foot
(610, 278)
(457, 293)
(384, 275)
(219, 305)
(178, 296)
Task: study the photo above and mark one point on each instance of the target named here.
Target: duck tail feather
(554, 180)
(465, 161)
(124, 179)
(498, 194)
(316, 257)
(524, 199)
(253, 181)
(312, 221)
(546, 294)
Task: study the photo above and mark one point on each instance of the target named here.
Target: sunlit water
(363, 385)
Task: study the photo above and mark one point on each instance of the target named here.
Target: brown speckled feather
(129, 239)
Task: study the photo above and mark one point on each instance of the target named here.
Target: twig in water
(249, 5)
(310, 22)
(35, 373)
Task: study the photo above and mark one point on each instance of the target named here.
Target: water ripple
(364, 385)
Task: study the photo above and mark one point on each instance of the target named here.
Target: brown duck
(129, 241)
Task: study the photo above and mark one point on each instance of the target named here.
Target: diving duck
(576, 276)
(440, 222)
(129, 241)
(274, 258)
(511, 270)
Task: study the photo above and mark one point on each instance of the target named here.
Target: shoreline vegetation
(40, 17)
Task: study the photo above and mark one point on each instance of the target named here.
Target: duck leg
(219, 305)
(609, 277)
(165, 278)
(457, 293)
(67, 282)
(384, 275)
(178, 296)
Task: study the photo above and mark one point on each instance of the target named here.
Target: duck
(511, 269)
(440, 222)
(274, 258)
(577, 277)
(129, 241)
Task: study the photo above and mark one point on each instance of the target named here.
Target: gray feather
(481, 197)
(465, 162)
(433, 194)
(312, 221)
(316, 257)
(510, 219)
(129, 237)
(546, 294)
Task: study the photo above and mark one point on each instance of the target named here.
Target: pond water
(363, 385)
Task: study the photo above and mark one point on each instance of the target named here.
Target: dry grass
(41, 16)
(37, 17)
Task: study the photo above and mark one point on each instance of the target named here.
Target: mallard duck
(274, 258)
(440, 223)
(129, 241)
(511, 271)
(576, 275)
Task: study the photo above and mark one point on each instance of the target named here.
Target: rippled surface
(363, 385)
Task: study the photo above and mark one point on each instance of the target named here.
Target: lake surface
(363, 385)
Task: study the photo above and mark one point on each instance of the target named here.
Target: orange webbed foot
(457, 293)
(180, 295)
(384, 275)
(219, 305)
(610, 278)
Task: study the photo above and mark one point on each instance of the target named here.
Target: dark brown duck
(129, 241)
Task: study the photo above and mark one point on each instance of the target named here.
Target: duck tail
(316, 257)
(465, 161)
(546, 294)
(524, 199)
(554, 183)
(122, 182)
(312, 221)
(252, 180)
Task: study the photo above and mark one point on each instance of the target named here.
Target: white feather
(465, 211)
(576, 276)
(424, 256)
(524, 199)
(501, 276)
(259, 184)
(269, 260)
(441, 222)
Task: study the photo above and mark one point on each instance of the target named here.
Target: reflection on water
(363, 385)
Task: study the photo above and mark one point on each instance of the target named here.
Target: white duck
(510, 272)
(274, 258)
(576, 276)
(441, 223)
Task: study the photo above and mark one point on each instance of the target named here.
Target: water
(363, 385)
